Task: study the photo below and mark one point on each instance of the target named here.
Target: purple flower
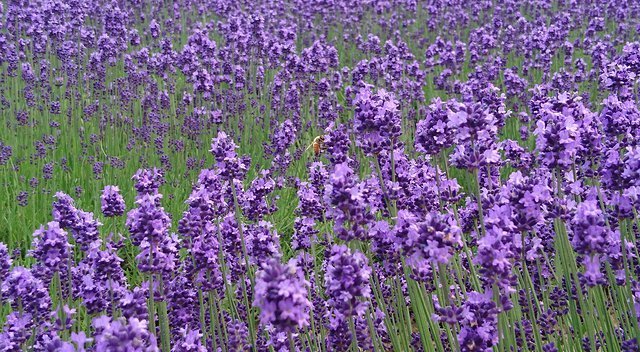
(205, 251)
(86, 230)
(304, 233)
(224, 149)
(631, 171)
(478, 318)
(133, 304)
(337, 142)
(618, 79)
(182, 297)
(433, 134)
(281, 293)
(475, 129)
(26, 293)
(189, 341)
(47, 171)
(254, 201)
(161, 257)
(99, 279)
(5, 261)
(347, 281)
(98, 167)
(529, 198)
(618, 117)
(630, 345)
(347, 204)
(51, 341)
(238, 336)
(17, 329)
(147, 182)
(148, 226)
(51, 250)
(377, 120)
(23, 198)
(82, 225)
(590, 239)
(64, 211)
(263, 242)
(148, 221)
(557, 132)
(310, 203)
(5, 153)
(498, 248)
(429, 242)
(112, 202)
(122, 335)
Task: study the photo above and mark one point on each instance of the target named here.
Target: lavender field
(319, 175)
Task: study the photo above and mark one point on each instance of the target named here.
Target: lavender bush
(289, 175)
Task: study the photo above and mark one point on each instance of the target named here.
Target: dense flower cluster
(591, 238)
(112, 202)
(281, 293)
(433, 134)
(122, 334)
(347, 281)
(345, 175)
(377, 120)
(52, 251)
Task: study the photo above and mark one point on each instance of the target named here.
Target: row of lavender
(104, 79)
(229, 289)
(500, 216)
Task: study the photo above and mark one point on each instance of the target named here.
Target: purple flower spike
(5, 261)
(52, 251)
(112, 202)
(281, 293)
(377, 120)
(347, 281)
(480, 324)
(123, 335)
(148, 181)
(23, 291)
(590, 239)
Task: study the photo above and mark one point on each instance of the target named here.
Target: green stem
(354, 339)
(237, 212)
(479, 200)
(390, 205)
(152, 307)
(163, 317)
(292, 344)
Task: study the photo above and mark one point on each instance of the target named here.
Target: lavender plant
(286, 175)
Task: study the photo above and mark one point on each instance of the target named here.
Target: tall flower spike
(430, 242)
(122, 334)
(347, 281)
(16, 331)
(475, 134)
(263, 242)
(51, 250)
(347, 208)
(479, 323)
(64, 211)
(147, 182)
(23, 291)
(590, 239)
(557, 132)
(377, 120)
(224, 151)
(148, 221)
(5, 261)
(112, 203)
(281, 293)
(433, 134)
